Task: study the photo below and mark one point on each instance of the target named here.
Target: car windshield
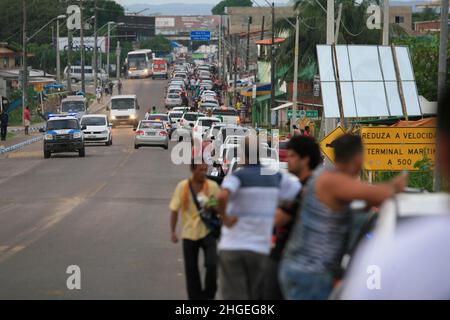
(233, 132)
(122, 104)
(190, 116)
(151, 125)
(174, 116)
(158, 117)
(227, 112)
(73, 106)
(62, 124)
(207, 122)
(93, 121)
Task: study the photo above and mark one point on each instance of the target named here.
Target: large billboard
(183, 25)
(102, 43)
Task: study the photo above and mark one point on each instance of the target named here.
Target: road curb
(20, 145)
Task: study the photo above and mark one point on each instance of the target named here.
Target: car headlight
(105, 132)
(78, 135)
(113, 117)
(133, 117)
(48, 137)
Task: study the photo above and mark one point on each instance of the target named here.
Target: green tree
(40, 12)
(157, 44)
(427, 14)
(219, 9)
(353, 30)
(425, 59)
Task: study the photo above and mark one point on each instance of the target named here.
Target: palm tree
(312, 13)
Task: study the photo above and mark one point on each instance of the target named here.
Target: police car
(63, 133)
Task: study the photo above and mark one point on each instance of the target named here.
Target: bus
(140, 64)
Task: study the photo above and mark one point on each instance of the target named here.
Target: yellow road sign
(398, 135)
(396, 157)
(326, 143)
(397, 148)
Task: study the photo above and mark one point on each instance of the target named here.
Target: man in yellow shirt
(194, 232)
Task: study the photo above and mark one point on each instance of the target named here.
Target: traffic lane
(149, 93)
(119, 236)
(31, 197)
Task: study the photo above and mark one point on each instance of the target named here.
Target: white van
(123, 109)
(75, 74)
(75, 105)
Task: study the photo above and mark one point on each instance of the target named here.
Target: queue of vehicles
(72, 127)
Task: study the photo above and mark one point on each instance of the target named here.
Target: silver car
(151, 133)
(173, 100)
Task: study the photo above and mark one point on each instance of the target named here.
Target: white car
(228, 115)
(172, 100)
(98, 129)
(203, 124)
(207, 84)
(175, 118)
(189, 118)
(214, 130)
(209, 93)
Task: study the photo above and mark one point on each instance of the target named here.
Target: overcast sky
(128, 2)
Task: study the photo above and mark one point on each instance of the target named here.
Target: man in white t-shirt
(249, 199)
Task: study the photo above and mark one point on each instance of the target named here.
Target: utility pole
(247, 61)
(108, 49)
(442, 74)
(295, 85)
(223, 52)
(338, 24)
(69, 63)
(272, 71)
(262, 27)
(24, 59)
(330, 21)
(83, 85)
(118, 52)
(58, 56)
(235, 67)
(386, 22)
(328, 125)
(94, 59)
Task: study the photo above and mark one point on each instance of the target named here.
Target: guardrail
(20, 145)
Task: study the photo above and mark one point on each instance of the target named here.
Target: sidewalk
(19, 140)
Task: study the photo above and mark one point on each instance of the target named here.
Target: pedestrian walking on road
(312, 259)
(189, 197)
(111, 87)
(4, 120)
(303, 157)
(247, 202)
(98, 94)
(119, 87)
(27, 120)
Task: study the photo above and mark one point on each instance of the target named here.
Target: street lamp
(109, 42)
(58, 56)
(26, 40)
(95, 67)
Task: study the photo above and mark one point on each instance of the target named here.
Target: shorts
(27, 123)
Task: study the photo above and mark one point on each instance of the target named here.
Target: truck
(160, 69)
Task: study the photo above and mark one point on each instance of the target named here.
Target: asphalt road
(106, 213)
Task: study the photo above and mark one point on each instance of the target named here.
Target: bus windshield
(137, 61)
